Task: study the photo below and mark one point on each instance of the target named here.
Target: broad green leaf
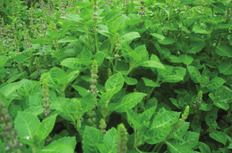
(140, 120)
(58, 75)
(34, 102)
(167, 41)
(128, 37)
(196, 47)
(109, 144)
(82, 91)
(165, 118)
(224, 51)
(175, 148)
(158, 36)
(3, 60)
(72, 17)
(128, 102)
(204, 148)
(62, 78)
(211, 119)
(61, 145)
(194, 74)
(130, 81)
(154, 62)
(215, 83)
(186, 59)
(91, 138)
(219, 136)
(191, 139)
(69, 109)
(46, 127)
(26, 125)
(138, 55)
(99, 57)
(67, 40)
(103, 30)
(142, 51)
(114, 83)
(230, 146)
(222, 97)
(28, 87)
(162, 126)
(150, 83)
(112, 86)
(172, 74)
(225, 68)
(88, 102)
(9, 90)
(19, 89)
(180, 132)
(74, 63)
(200, 29)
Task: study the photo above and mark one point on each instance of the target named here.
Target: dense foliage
(116, 76)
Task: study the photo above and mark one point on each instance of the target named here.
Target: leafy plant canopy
(116, 76)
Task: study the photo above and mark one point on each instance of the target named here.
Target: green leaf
(58, 75)
(204, 148)
(99, 57)
(194, 74)
(225, 68)
(109, 144)
(211, 119)
(196, 47)
(71, 17)
(82, 91)
(128, 102)
(130, 81)
(128, 37)
(138, 55)
(154, 62)
(224, 51)
(46, 127)
(175, 148)
(91, 138)
(62, 78)
(140, 120)
(26, 125)
(150, 83)
(172, 74)
(114, 83)
(68, 40)
(88, 102)
(162, 126)
(215, 83)
(185, 59)
(69, 109)
(61, 145)
(222, 97)
(165, 118)
(167, 41)
(10, 90)
(158, 36)
(219, 136)
(200, 29)
(75, 63)
(3, 60)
